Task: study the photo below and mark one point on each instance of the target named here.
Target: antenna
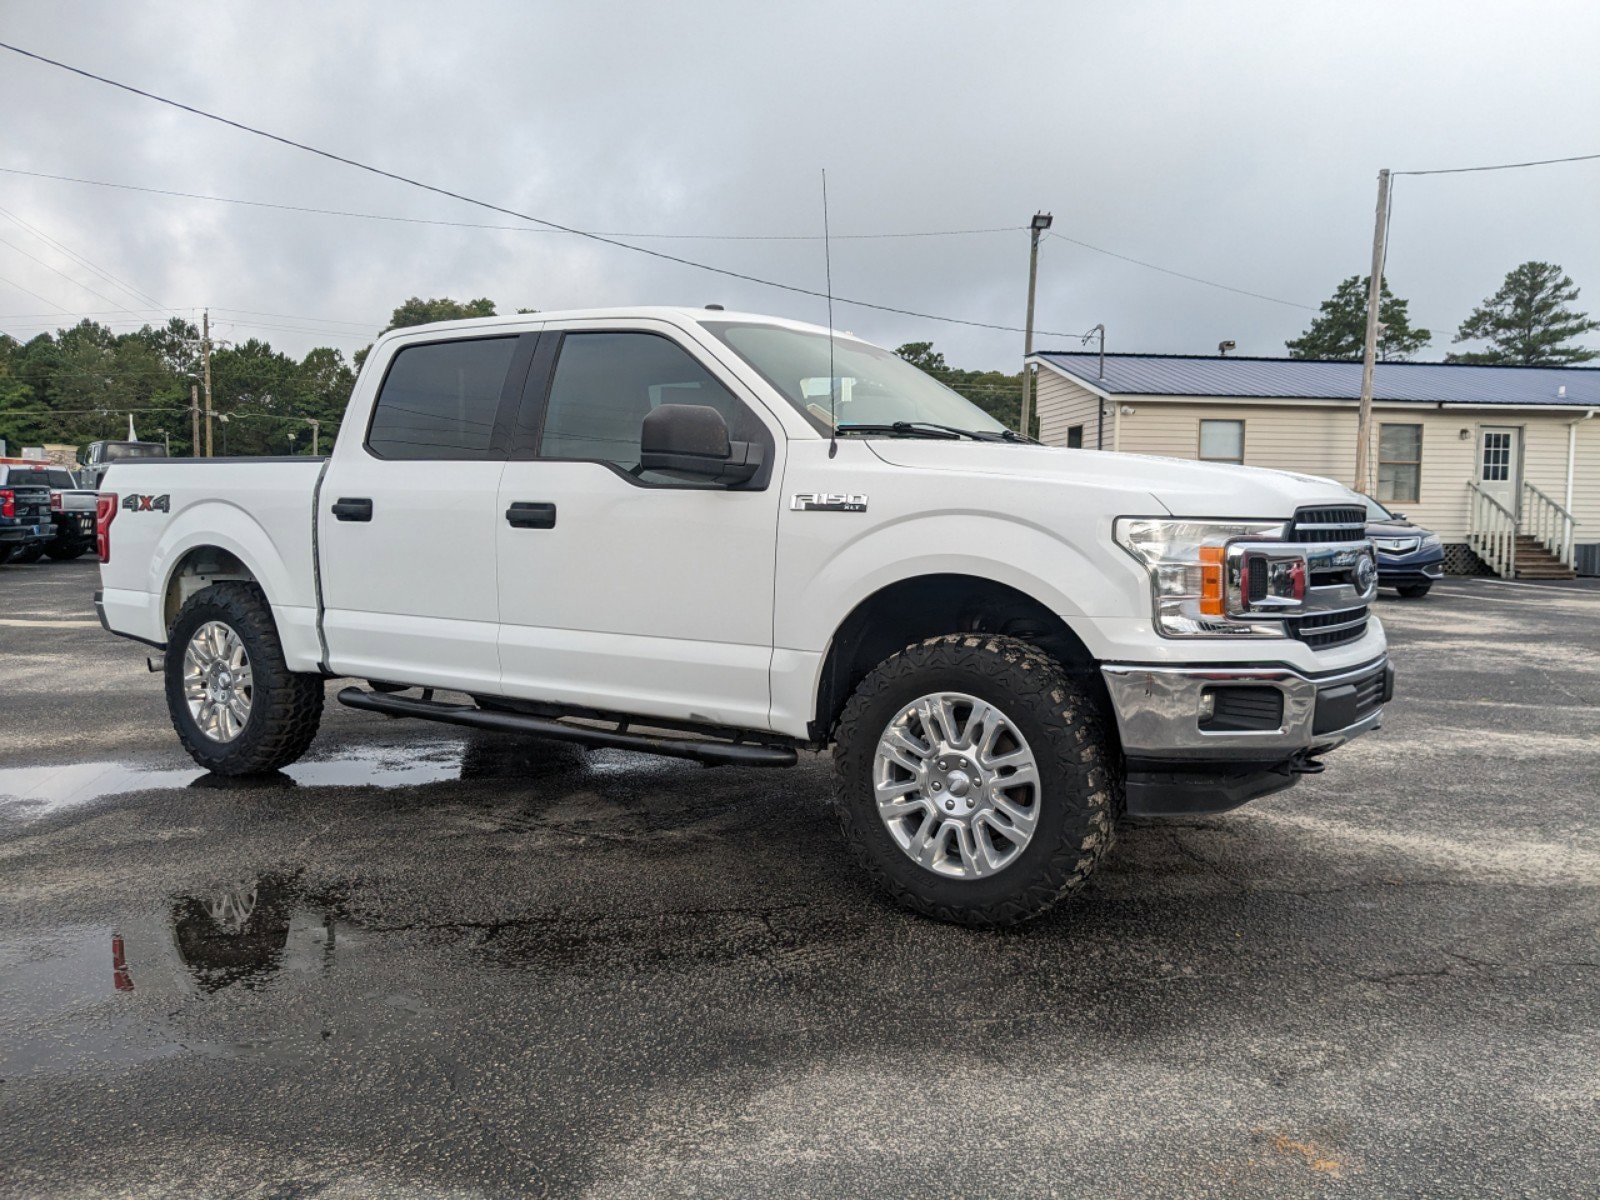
(833, 378)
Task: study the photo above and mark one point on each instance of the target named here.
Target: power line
(341, 212)
(36, 296)
(1537, 162)
(1179, 274)
(79, 258)
(603, 239)
(63, 274)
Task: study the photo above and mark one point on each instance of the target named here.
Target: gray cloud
(1238, 142)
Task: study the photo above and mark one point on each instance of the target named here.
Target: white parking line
(48, 624)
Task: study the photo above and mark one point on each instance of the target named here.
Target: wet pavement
(421, 964)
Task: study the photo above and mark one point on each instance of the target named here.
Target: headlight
(1188, 563)
(1431, 541)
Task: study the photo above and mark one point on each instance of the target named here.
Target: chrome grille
(1322, 525)
(1330, 628)
(1332, 524)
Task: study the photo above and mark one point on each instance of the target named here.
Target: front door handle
(524, 514)
(347, 508)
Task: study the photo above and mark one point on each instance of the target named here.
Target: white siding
(1062, 404)
(1320, 440)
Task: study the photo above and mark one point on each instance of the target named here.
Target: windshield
(872, 386)
(1376, 511)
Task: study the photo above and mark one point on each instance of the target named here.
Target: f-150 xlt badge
(829, 502)
(147, 503)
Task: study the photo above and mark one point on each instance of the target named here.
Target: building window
(1075, 437)
(1222, 441)
(1399, 463)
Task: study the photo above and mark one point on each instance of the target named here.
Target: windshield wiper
(927, 429)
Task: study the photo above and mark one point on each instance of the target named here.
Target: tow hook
(1304, 764)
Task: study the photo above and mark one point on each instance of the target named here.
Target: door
(406, 518)
(1500, 464)
(621, 589)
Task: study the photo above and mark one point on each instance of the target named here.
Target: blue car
(1410, 558)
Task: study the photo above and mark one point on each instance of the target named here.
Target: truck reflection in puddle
(243, 933)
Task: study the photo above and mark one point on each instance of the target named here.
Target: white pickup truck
(730, 538)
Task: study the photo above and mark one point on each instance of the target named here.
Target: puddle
(91, 994)
(35, 792)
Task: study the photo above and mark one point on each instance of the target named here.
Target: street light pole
(205, 355)
(1369, 354)
(1041, 222)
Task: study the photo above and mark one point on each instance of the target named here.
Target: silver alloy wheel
(957, 785)
(217, 681)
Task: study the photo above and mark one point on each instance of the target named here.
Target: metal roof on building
(1306, 379)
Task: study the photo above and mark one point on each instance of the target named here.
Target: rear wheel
(237, 707)
(1414, 591)
(974, 779)
(31, 553)
(65, 551)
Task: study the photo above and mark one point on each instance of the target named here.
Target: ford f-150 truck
(730, 538)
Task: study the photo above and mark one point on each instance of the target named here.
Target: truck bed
(169, 510)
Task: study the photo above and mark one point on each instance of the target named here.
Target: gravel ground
(420, 964)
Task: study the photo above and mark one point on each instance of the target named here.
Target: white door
(406, 520)
(1500, 464)
(621, 590)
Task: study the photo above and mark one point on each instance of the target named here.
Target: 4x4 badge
(829, 502)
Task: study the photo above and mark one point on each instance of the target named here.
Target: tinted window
(29, 477)
(439, 400)
(116, 450)
(607, 383)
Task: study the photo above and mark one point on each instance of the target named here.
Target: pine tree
(1527, 322)
(1340, 332)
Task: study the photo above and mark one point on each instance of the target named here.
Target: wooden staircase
(1535, 562)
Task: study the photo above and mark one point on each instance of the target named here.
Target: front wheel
(974, 779)
(237, 707)
(1414, 591)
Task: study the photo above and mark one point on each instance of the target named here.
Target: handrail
(1492, 532)
(1551, 524)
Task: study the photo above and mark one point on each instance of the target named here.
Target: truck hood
(1185, 488)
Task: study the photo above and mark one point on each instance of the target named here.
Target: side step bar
(743, 754)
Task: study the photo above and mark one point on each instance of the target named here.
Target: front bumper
(1422, 566)
(1206, 739)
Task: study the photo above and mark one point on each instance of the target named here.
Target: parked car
(98, 457)
(25, 524)
(71, 512)
(1410, 558)
(686, 532)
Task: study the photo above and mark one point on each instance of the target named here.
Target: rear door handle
(347, 508)
(525, 514)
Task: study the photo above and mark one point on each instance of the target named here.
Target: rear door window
(439, 399)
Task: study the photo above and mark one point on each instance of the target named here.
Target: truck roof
(672, 314)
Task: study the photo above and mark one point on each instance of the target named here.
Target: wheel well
(200, 568)
(912, 610)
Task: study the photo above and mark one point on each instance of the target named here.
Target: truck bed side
(183, 523)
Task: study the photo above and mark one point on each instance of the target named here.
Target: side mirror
(692, 440)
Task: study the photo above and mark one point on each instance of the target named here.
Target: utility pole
(205, 355)
(1380, 235)
(194, 420)
(1041, 222)
(316, 428)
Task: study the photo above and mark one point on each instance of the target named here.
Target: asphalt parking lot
(427, 964)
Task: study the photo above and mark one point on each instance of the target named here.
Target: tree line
(77, 385)
(1528, 322)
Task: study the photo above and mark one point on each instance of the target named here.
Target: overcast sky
(1237, 142)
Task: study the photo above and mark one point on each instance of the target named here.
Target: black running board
(743, 754)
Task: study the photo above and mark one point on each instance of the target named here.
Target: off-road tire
(67, 551)
(31, 553)
(1079, 777)
(286, 706)
(1414, 591)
